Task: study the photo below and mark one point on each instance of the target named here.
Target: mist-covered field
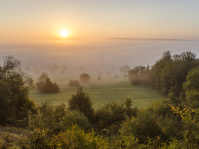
(103, 93)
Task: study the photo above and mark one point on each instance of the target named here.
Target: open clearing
(102, 94)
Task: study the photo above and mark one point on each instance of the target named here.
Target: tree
(81, 101)
(42, 81)
(169, 73)
(15, 104)
(139, 74)
(45, 85)
(157, 69)
(110, 116)
(191, 87)
(74, 118)
(74, 83)
(144, 126)
(124, 69)
(85, 77)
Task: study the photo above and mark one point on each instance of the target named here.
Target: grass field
(102, 94)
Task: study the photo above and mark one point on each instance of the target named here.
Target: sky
(29, 31)
(30, 20)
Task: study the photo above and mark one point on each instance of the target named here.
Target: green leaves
(81, 101)
(14, 89)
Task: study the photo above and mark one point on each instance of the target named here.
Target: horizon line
(162, 39)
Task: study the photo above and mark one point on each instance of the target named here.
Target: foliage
(15, 104)
(85, 77)
(74, 118)
(155, 121)
(81, 101)
(139, 74)
(72, 138)
(38, 139)
(45, 85)
(127, 142)
(74, 83)
(48, 117)
(191, 86)
(170, 123)
(110, 116)
(190, 118)
(143, 126)
(169, 73)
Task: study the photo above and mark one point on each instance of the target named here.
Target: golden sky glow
(42, 20)
(64, 33)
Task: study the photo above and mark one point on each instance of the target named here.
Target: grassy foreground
(102, 94)
(11, 137)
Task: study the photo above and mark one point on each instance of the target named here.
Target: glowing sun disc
(64, 33)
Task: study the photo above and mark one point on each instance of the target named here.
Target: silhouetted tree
(74, 83)
(45, 85)
(124, 69)
(85, 77)
(139, 74)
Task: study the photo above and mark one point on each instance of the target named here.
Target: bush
(74, 118)
(112, 115)
(109, 116)
(73, 137)
(45, 85)
(74, 83)
(81, 101)
(48, 117)
(85, 77)
(143, 127)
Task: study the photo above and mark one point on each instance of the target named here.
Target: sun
(64, 33)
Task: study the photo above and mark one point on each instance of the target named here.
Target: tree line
(171, 76)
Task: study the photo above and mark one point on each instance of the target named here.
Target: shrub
(39, 139)
(74, 83)
(85, 77)
(127, 142)
(112, 115)
(143, 126)
(73, 137)
(45, 85)
(74, 118)
(109, 116)
(81, 101)
(48, 117)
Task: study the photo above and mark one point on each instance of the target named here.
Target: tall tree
(191, 86)
(14, 90)
(81, 101)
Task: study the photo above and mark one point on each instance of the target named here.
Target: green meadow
(103, 93)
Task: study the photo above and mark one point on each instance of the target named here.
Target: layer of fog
(96, 57)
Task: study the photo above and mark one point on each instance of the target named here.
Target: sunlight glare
(64, 33)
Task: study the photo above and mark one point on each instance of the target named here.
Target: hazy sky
(42, 19)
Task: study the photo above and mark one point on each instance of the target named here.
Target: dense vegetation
(169, 124)
(15, 104)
